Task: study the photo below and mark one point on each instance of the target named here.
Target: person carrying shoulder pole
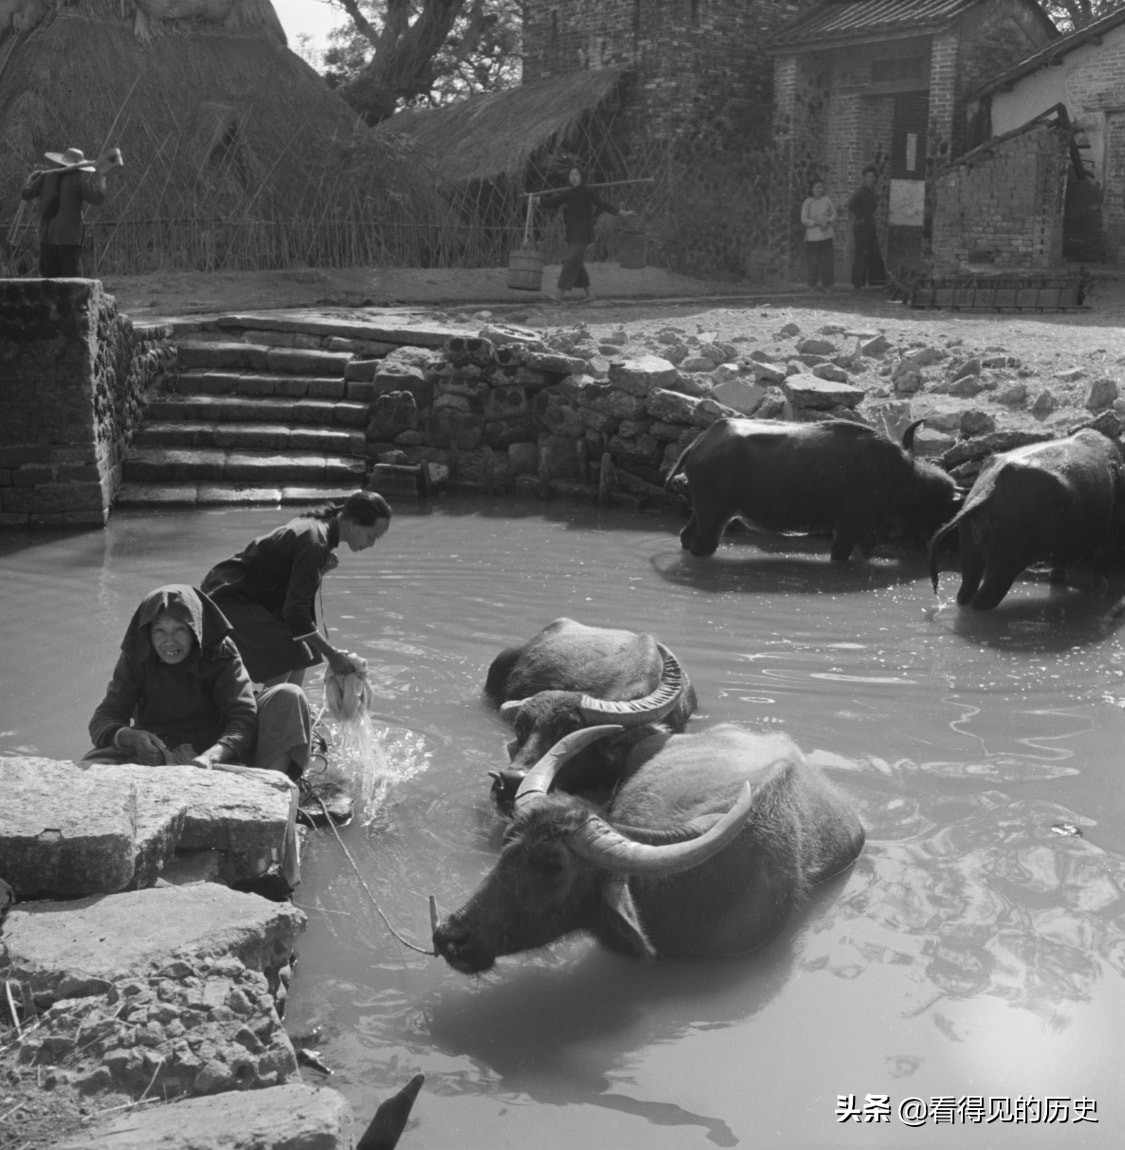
(63, 191)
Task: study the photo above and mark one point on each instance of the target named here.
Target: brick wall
(1001, 205)
(73, 373)
(801, 87)
(693, 112)
(697, 62)
(1090, 80)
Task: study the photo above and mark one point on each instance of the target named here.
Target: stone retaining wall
(73, 373)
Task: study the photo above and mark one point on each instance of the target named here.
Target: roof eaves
(806, 34)
(1052, 52)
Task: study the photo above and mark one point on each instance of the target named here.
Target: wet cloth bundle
(348, 696)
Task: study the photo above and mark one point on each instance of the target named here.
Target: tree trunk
(402, 66)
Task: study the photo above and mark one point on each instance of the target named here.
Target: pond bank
(134, 974)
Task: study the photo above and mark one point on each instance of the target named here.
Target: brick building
(885, 82)
(1085, 72)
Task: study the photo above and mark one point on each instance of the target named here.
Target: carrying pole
(610, 184)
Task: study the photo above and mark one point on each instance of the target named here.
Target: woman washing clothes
(268, 590)
(181, 695)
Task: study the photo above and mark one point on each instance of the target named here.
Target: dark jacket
(63, 197)
(862, 205)
(580, 208)
(206, 699)
(281, 571)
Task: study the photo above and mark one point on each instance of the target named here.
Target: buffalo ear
(620, 926)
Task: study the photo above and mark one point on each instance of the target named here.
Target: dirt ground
(1061, 351)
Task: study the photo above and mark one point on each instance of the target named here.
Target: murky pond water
(973, 960)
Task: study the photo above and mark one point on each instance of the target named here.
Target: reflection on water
(971, 951)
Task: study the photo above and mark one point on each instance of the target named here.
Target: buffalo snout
(455, 943)
(505, 784)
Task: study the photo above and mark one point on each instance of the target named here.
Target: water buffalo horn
(508, 710)
(909, 433)
(539, 780)
(606, 847)
(634, 712)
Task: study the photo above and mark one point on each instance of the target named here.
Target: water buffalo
(833, 475)
(705, 850)
(570, 676)
(1059, 502)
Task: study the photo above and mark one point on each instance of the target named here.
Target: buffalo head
(542, 720)
(563, 868)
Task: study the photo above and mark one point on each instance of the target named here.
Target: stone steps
(247, 409)
(252, 383)
(255, 468)
(253, 435)
(155, 496)
(249, 422)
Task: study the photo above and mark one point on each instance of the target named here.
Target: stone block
(506, 403)
(745, 397)
(553, 363)
(671, 406)
(808, 391)
(65, 849)
(831, 372)
(109, 938)
(608, 400)
(505, 433)
(523, 458)
(461, 429)
(300, 361)
(813, 346)
(53, 498)
(1100, 394)
(470, 349)
(642, 374)
(221, 355)
(556, 415)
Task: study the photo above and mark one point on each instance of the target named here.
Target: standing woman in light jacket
(581, 207)
(818, 215)
(268, 590)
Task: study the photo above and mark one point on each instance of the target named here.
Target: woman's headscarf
(208, 624)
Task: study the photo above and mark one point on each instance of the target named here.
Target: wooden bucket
(525, 266)
(631, 249)
(525, 270)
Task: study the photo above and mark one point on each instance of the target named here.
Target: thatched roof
(216, 118)
(65, 82)
(497, 133)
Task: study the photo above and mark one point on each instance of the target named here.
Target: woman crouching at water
(180, 694)
(268, 590)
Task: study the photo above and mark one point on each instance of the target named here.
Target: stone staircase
(249, 422)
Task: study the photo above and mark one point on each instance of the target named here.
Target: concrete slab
(296, 1117)
(67, 950)
(120, 824)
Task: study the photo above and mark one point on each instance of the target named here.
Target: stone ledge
(296, 1116)
(121, 824)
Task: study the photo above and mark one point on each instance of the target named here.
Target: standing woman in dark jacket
(867, 262)
(580, 207)
(268, 589)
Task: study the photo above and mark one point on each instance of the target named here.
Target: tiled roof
(1054, 52)
(836, 20)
